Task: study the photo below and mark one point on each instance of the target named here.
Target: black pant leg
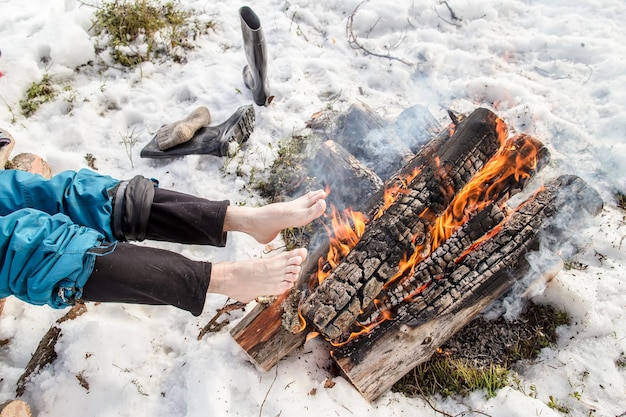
(183, 218)
(143, 275)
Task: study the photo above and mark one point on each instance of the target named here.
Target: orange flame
(311, 335)
(348, 227)
(502, 130)
(397, 188)
(345, 232)
(514, 162)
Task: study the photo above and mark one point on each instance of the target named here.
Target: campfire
(416, 256)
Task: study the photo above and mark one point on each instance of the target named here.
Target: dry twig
(213, 326)
(45, 352)
(353, 40)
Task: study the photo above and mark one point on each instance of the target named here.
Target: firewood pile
(421, 241)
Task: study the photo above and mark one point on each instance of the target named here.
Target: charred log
(441, 261)
(259, 335)
(450, 300)
(350, 182)
(401, 230)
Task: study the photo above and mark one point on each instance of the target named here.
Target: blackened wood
(357, 280)
(439, 262)
(349, 181)
(258, 333)
(375, 361)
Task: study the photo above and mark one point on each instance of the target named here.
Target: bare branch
(452, 15)
(353, 40)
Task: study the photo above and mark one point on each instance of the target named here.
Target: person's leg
(182, 218)
(143, 275)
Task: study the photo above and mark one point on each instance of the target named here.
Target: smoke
(381, 146)
(561, 238)
(385, 146)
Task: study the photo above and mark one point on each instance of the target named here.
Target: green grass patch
(36, 95)
(449, 377)
(142, 30)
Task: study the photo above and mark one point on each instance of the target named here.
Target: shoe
(255, 73)
(210, 140)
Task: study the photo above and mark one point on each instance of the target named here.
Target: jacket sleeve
(84, 196)
(45, 259)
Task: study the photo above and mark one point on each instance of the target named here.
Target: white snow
(553, 69)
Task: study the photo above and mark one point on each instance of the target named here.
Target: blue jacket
(51, 232)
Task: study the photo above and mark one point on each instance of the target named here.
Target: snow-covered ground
(553, 69)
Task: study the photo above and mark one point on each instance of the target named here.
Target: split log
(15, 408)
(374, 361)
(349, 181)
(263, 328)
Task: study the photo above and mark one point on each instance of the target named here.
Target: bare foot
(183, 130)
(264, 223)
(245, 280)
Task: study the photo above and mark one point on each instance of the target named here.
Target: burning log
(438, 262)
(446, 301)
(262, 333)
(406, 232)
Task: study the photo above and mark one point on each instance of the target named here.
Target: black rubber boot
(209, 140)
(255, 73)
